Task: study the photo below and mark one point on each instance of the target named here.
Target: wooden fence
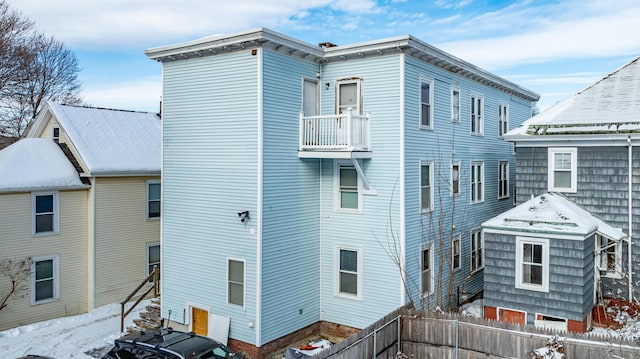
(449, 336)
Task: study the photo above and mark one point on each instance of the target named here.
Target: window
(610, 261)
(426, 264)
(455, 105)
(455, 178)
(348, 188)
(309, 97)
(503, 179)
(55, 134)
(477, 255)
(426, 103)
(455, 252)
(477, 182)
(532, 264)
(44, 208)
(44, 279)
(235, 274)
(153, 199)
(153, 256)
(563, 169)
(503, 119)
(477, 111)
(349, 95)
(426, 187)
(348, 272)
(549, 322)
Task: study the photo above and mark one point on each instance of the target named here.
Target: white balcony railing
(348, 131)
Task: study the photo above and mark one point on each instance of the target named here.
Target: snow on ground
(82, 336)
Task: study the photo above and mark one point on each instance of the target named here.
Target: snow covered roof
(609, 106)
(112, 142)
(36, 164)
(552, 213)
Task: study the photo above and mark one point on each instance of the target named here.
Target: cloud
(569, 30)
(143, 94)
(448, 4)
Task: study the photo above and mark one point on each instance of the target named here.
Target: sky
(555, 48)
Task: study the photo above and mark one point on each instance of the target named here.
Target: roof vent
(327, 44)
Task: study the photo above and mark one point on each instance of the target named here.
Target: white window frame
(337, 271)
(451, 186)
(475, 186)
(337, 202)
(456, 241)
(602, 260)
(500, 310)
(476, 115)
(149, 183)
(573, 152)
(557, 323)
(455, 104)
(55, 213)
(430, 82)
(519, 283)
(147, 259)
(55, 278)
(55, 138)
(503, 179)
(477, 250)
(244, 282)
(428, 272)
(430, 165)
(338, 84)
(503, 119)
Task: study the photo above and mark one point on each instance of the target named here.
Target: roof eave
(122, 173)
(44, 188)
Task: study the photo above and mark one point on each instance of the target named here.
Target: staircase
(149, 318)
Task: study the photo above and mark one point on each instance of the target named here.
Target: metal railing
(154, 277)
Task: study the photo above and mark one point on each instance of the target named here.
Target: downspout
(402, 217)
(630, 214)
(259, 200)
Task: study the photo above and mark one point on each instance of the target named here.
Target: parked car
(168, 344)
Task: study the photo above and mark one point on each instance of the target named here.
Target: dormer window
(55, 134)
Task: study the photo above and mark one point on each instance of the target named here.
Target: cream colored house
(93, 238)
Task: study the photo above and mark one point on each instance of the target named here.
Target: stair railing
(154, 276)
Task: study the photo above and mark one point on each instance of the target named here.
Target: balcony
(345, 136)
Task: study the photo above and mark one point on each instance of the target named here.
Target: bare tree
(34, 68)
(17, 271)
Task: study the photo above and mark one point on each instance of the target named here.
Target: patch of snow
(36, 163)
(68, 337)
(474, 309)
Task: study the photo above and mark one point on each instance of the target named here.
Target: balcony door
(348, 95)
(310, 107)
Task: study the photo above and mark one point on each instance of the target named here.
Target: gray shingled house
(565, 246)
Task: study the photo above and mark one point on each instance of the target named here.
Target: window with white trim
(477, 113)
(348, 196)
(153, 199)
(610, 256)
(349, 95)
(477, 253)
(503, 119)
(455, 104)
(455, 252)
(426, 103)
(426, 268)
(44, 208)
(235, 284)
(44, 279)
(348, 272)
(503, 179)
(153, 256)
(55, 134)
(426, 187)
(563, 169)
(532, 263)
(455, 178)
(477, 182)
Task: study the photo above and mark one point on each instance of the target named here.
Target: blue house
(552, 258)
(312, 189)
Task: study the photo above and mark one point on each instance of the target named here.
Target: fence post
(457, 336)
(399, 347)
(375, 350)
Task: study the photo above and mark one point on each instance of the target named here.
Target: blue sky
(555, 48)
